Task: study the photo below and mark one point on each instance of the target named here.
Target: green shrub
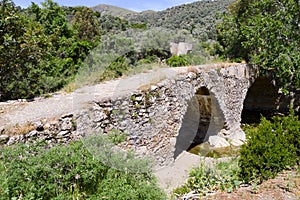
(272, 147)
(177, 61)
(115, 69)
(207, 178)
(116, 136)
(68, 172)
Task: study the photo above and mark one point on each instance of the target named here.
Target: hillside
(112, 10)
(198, 18)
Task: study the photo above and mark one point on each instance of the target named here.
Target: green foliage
(39, 51)
(86, 24)
(116, 136)
(68, 172)
(42, 48)
(53, 18)
(115, 69)
(211, 177)
(265, 33)
(138, 26)
(111, 24)
(21, 48)
(197, 18)
(272, 147)
(177, 61)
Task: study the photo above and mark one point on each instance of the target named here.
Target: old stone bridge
(165, 118)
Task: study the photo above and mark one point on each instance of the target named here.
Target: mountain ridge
(112, 10)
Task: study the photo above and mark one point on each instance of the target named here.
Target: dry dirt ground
(286, 186)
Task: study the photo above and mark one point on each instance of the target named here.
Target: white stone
(218, 142)
(153, 87)
(13, 140)
(237, 138)
(63, 134)
(32, 134)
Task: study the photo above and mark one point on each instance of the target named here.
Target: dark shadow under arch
(261, 99)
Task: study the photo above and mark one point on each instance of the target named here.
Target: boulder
(237, 138)
(218, 142)
(66, 124)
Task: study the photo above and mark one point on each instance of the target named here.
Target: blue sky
(129, 4)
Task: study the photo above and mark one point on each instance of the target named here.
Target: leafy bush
(68, 172)
(177, 61)
(256, 32)
(207, 178)
(115, 69)
(39, 51)
(272, 147)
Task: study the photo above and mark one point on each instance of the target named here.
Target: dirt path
(20, 112)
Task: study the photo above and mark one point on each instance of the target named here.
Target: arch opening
(261, 100)
(195, 123)
(204, 100)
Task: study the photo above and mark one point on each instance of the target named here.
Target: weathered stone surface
(180, 48)
(69, 115)
(218, 142)
(38, 126)
(165, 114)
(66, 124)
(2, 131)
(32, 134)
(14, 139)
(63, 134)
(237, 138)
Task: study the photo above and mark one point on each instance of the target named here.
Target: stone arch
(200, 120)
(261, 99)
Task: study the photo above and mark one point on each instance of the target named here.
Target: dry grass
(145, 87)
(19, 129)
(71, 87)
(155, 80)
(192, 69)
